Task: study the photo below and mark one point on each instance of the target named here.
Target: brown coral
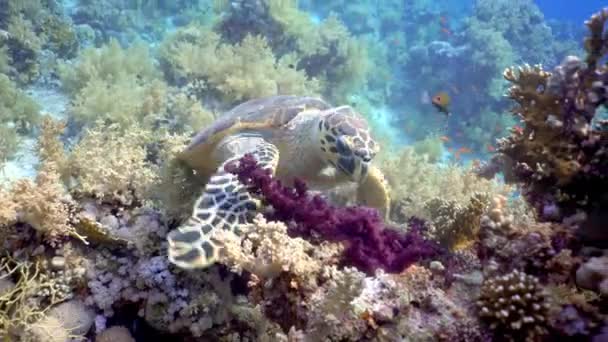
(455, 226)
(514, 306)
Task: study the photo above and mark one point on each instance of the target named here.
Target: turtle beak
(355, 168)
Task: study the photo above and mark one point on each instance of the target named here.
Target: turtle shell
(263, 113)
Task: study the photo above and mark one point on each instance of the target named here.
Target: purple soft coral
(369, 244)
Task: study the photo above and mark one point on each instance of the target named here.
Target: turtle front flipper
(374, 192)
(225, 204)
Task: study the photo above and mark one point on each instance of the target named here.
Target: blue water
(570, 10)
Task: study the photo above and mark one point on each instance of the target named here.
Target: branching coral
(245, 70)
(18, 109)
(112, 165)
(456, 226)
(369, 244)
(120, 85)
(514, 305)
(325, 51)
(24, 302)
(414, 181)
(559, 154)
(110, 64)
(44, 205)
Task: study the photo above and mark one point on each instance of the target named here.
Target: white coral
(266, 250)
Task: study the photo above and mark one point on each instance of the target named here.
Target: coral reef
(559, 150)
(593, 275)
(83, 241)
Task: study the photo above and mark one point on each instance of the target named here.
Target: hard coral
(514, 306)
(559, 154)
(369, 244)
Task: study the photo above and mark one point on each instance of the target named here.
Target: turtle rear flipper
(225, 204)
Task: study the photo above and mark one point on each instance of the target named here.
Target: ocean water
(437, 170)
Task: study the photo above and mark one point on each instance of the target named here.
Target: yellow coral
(110, 164)
(242, 71)
(414, 181)
(8, 209)
(50, 149)
(44, 205)
(126, 101)
(109, 63)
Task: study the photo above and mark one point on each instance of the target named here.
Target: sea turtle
(293, 136)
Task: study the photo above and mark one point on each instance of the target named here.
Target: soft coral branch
(369, 243)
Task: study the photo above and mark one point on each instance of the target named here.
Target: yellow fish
(441, 101)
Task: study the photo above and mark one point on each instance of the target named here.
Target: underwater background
(492, 122)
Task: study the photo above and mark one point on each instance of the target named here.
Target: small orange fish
(464, 150)
(490, 148)
(444, 138)
(457, 155)
(446, 31)
(441, 101)
(450, 149)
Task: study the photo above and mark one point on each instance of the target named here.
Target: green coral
(4, 60)
(125, 101)
(109, 64)
(17, 109)
(431, 147)
(60, 36)
(237, 72)
(9, 144)
(123, 86)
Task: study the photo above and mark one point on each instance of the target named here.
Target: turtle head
(346, 143)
